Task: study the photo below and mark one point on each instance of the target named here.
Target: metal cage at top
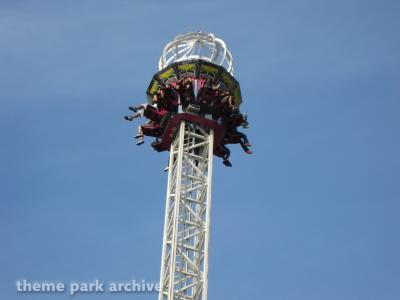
(197, 45)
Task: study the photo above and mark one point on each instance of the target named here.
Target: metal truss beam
(184, 266)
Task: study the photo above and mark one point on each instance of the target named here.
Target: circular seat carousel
(194, 84)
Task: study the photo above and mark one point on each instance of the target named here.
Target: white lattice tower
(184, 269)
(184, 266)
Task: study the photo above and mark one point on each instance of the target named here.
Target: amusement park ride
(193, 111)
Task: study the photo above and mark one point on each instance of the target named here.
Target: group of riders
(209, 101)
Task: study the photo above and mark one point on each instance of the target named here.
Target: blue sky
(313, 214)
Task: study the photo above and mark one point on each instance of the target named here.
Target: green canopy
(199, 69)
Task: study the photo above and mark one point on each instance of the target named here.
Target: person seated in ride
(237, 137)
(216, 105)
(140, 135)
(239, 119)
(243, 121)
(138, 110)
(151, 128)
(224, 152)
(233, 135)
(223, 105)
(150, 111)
(137, 107)
(227, 102)
(154, 113)
(165, 102)
(206, 96)
(186, 92)
(158, 100)
(168, 101)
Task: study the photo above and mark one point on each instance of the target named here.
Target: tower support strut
(184, 265)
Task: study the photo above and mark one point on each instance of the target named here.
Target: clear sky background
(313, 214)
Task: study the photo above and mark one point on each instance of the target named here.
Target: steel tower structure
(193, 112)
(184, 266)
(185, 251)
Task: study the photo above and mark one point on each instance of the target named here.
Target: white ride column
(184, 266)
